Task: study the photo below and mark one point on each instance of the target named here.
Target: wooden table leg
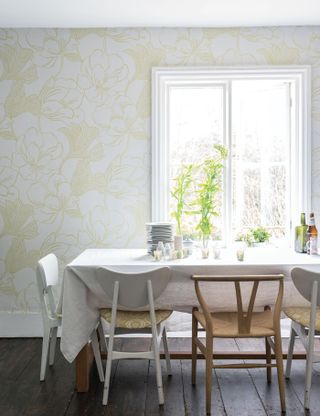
(83, 366)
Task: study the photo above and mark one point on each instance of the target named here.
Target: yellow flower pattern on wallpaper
(75, 133)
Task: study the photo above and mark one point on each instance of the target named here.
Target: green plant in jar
(260, 234)
(180, 191)
(254, 235)
(208, 186)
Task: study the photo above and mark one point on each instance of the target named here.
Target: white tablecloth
(82, 296)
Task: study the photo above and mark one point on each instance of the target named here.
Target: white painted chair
(132, 291)
(47, 277)
(305, 323)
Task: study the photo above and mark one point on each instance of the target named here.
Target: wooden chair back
(47, 276)
(307, 283)
(133, 287)
(244, 317)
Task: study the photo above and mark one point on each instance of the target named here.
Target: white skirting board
(29, 325)
(20, 325)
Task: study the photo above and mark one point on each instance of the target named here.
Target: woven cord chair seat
(135, 319)
(302, 316)
(225, 324)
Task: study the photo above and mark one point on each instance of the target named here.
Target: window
(262, 115)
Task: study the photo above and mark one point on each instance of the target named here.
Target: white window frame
(164, 78)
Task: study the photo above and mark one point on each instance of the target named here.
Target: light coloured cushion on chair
(302, 316)
(225, 324)
(135, 319)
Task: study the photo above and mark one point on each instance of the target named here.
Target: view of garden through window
(258, 113)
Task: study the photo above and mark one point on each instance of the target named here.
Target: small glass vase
(205, 252)
(205, 248)
(240, 250)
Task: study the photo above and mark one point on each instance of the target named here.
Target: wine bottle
(312, 236)
(301, 235)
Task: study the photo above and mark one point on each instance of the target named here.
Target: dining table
(82, 296)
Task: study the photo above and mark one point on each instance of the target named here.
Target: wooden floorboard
(234, 384)
(133, 387)
(269, 392)
(129, 388)
(86, 404)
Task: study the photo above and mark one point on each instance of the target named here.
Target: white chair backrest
(47, 276)
(133, 292)
(303, 280)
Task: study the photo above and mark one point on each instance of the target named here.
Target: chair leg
(309, 366)
(194, 347)
(209, 349)
(53, 341)
(97, 354)
(102, 338)
(290, 352)
(45, 353)
(108, 370)
(166, 351)
(279, 361)
(158, 367)
(268, 359)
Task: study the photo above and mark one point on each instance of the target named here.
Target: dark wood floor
(133, 388)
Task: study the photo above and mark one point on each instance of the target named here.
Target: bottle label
(312, 245)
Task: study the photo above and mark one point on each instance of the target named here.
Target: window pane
(196, 123)
(260, 155)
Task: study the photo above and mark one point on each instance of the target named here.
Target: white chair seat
(135, 319)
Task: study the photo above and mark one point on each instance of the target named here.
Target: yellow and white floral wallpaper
(75, 133)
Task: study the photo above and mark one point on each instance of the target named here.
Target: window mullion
(227, 202)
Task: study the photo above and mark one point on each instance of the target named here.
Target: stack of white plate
(158, 231)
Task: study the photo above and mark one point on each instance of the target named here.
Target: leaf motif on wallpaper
(138, 212)
(7, 286)
(144, 102)
(38, 153)
(18, 103)
(73, 57)
(81, 138)
(19, 258)
(51, 244)
(7, 134)
(280, 54)
(8, 177)
(6, 129)
(18, 219)
(84, 180)
(101, 75)
(128, 36)
(59, 98)
(56, 206)
(125, 122)
(191, 47)
(126, 128)
(17, 64)
(103, 225)
(7, 289)
(235, 56)
(144, 57)
(238, 33)
(8, 36)
(53, 46)
(124, 179)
